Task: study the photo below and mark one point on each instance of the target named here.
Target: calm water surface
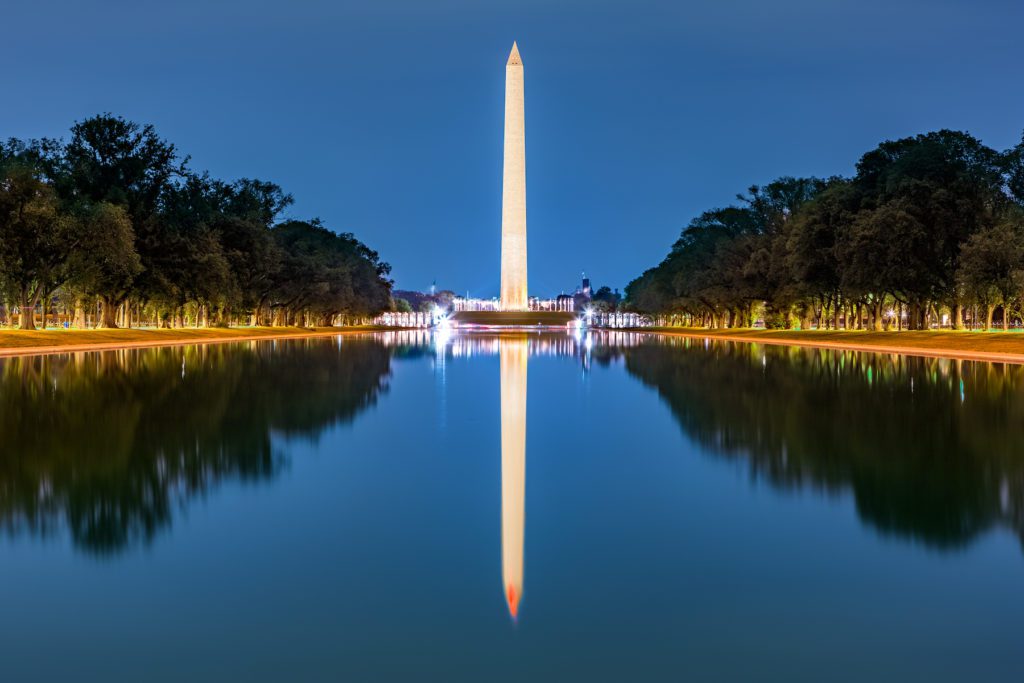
(524, 507)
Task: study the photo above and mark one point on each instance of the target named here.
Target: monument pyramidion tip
(513, 57)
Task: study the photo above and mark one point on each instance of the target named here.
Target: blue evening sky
(384, 118)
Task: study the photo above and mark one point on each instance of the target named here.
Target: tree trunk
(27, 314)
(79, 320)
(989, 310)
(108, 320)
(259, 317)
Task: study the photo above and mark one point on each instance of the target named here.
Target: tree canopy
(886, 246)
(115, 222)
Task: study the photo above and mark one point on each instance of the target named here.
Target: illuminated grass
(28, 339)
(934, 340)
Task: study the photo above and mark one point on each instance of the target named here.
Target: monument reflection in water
(514, 355)
(742, 511)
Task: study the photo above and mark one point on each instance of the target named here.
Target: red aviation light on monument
(512, 596)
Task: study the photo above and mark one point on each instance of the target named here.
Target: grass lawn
(13, 340)
(952, 341)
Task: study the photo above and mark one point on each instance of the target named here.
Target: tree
(943, 187)
(35, 236)
(325, 275)
(113, 160)
(116, 215)
(106, 263)
(605, 296)
(247, 209)
(992, 266)
(1013, 169)
(836, 248)
(810, 261)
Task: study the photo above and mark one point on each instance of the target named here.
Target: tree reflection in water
(110, 443)
(930, 448)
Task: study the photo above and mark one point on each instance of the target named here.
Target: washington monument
(514, 293)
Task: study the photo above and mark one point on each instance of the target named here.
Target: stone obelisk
(514, 295)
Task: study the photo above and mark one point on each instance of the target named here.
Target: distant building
(581, 298)
(466, 303)
(561, 303)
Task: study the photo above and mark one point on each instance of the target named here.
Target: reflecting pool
(523, 506)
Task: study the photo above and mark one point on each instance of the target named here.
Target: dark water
(374, 508)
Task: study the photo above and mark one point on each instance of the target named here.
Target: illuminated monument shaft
(513, 191)
(513, 356)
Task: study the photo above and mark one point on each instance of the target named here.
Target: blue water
(331, 509)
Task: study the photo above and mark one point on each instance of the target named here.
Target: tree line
(112, 228)
(929, 231)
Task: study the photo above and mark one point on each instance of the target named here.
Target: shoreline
(992, 347)
(1002, 348)
(118, 339)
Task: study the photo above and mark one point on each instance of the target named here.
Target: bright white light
(442, 335)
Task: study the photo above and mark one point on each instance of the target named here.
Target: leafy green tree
(325, 275)
(604, 295)
(992, 266)
(113, 160)
(193, 265)
(652, 292)
(35, 236)
(1013, 169)
(115, 215)
(105, 264)
(837, 248)
(810, 262)
(939, 188)
(247, 209)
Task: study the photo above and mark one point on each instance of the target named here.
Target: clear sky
(384, 118)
